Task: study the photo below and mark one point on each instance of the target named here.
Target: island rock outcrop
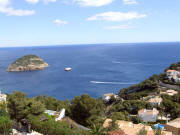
(27, 63)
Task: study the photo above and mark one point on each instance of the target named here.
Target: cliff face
(27, 63)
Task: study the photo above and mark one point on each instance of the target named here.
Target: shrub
(5, 125)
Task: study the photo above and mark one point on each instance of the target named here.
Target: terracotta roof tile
(170, 70)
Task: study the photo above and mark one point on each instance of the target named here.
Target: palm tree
(158, 131)
(142, 132)
(98, 129)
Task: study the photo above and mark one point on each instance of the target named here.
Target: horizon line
(80, 44)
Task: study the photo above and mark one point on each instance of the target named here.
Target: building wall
(155, 103)
(173, 75)
(148, 118)
(175, 131)
(2, 98)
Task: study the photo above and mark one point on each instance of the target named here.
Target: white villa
(108, 96)
(173, 75)
(2, 97)
(58, 115)
(155, 100)
(15, 132)
(148, 115)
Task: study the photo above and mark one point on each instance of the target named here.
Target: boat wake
(148, 64)
(99, 82)
(120, 62)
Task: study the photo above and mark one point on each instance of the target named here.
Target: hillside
(153, 84)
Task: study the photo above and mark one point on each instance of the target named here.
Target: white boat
(68, 69)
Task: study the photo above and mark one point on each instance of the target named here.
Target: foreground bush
(5, 125)
(51, 127)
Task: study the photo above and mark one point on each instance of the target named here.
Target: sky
(59, 22)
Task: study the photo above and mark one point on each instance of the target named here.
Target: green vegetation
(158, 132)
(140, 90)
(53, 104)
(28, 59)
(50, 127)
(133, 99)
(97, 129)
(83, 109)
(142, 132)
(27, 63)
(5, 123)
(171, 105)
(174, 66)
(19, 106)
(86, 110)
(121, 110)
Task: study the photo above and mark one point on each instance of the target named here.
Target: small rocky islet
(27, 63)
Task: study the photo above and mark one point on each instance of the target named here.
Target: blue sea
(96, 69)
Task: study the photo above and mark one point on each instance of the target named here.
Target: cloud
(36, 1)
(60, 22)
(130, 2)
(16, 12)
(116, 16)
(4, 2)
(47, 1)
(6, 8)
(32, 1)
(95, 3)
(121, 27)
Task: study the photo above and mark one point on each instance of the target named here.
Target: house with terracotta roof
(128, 128)
(169, 92)
(148, 115)
(173, 126)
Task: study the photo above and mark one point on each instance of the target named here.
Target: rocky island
(27, 63)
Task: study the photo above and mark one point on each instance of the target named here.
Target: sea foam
(99, 82)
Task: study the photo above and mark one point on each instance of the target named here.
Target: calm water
(96, 69)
